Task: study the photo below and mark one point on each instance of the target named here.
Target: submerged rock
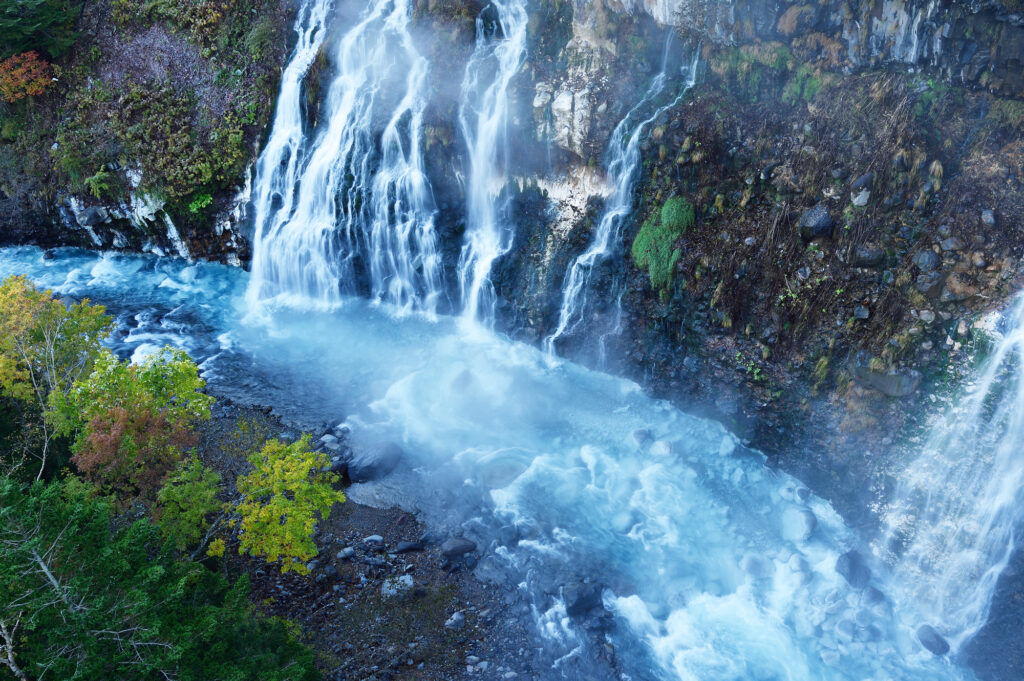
(798, 524)
(932, 640)
(580, 598)
(373, 462)
(853, 569)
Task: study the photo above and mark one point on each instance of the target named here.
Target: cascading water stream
(623, 165)
(953, 520)
(348, 199)
(708, 564)
(484, 118)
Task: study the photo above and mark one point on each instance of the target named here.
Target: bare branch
(7, 648)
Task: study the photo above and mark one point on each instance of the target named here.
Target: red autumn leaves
(24, 75)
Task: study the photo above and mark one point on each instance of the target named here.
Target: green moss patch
(654, 247)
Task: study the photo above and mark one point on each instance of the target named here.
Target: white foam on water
(688, 537)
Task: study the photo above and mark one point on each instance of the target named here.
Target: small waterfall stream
(348, 198)
(484, 120)
(953, 520)
(623, 168)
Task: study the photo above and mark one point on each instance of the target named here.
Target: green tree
(185, 504)
(45, 347)
(48, 25)
(132, 421)
(81, 601)
(281, 499)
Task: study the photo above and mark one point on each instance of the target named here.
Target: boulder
(408, 546)
(957, 289)
(930, 283)
(330, 443)
(396, 586)
(868, 256)
(951, 244)
(927, 260)
(932, 640)
(863, 182)
(92, 216)
(853, 569)
(453, 547)
(816, 223)
(641, 437)
(373, 462)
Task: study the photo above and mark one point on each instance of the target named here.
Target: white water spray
(484, 118)
(713, 566)
(623, 165)
(952, 522)
(330, 201)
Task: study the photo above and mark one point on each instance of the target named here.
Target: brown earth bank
(385, 598)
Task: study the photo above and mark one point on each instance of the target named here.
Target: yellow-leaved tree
(282, 497)
(45, 347)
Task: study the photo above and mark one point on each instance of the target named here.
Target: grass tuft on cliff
(654, 247)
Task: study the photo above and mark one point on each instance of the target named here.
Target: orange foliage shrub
(24, 75)
(132, 451)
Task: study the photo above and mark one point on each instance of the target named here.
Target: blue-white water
(714, 567)
(710, 562)
(348, 199)
(952, 523)
(484, 120)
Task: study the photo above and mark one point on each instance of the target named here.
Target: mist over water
(712, 566)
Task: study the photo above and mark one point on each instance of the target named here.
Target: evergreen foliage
(46, 25)
(186, 502)
(82, 601)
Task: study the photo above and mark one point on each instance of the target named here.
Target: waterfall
(484, 118)
(952, 522)
(623, 158)
(341, 205)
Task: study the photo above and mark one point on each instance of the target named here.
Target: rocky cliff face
(144, 139)
(974, 43)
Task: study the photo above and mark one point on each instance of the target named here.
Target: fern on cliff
(654, 247)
